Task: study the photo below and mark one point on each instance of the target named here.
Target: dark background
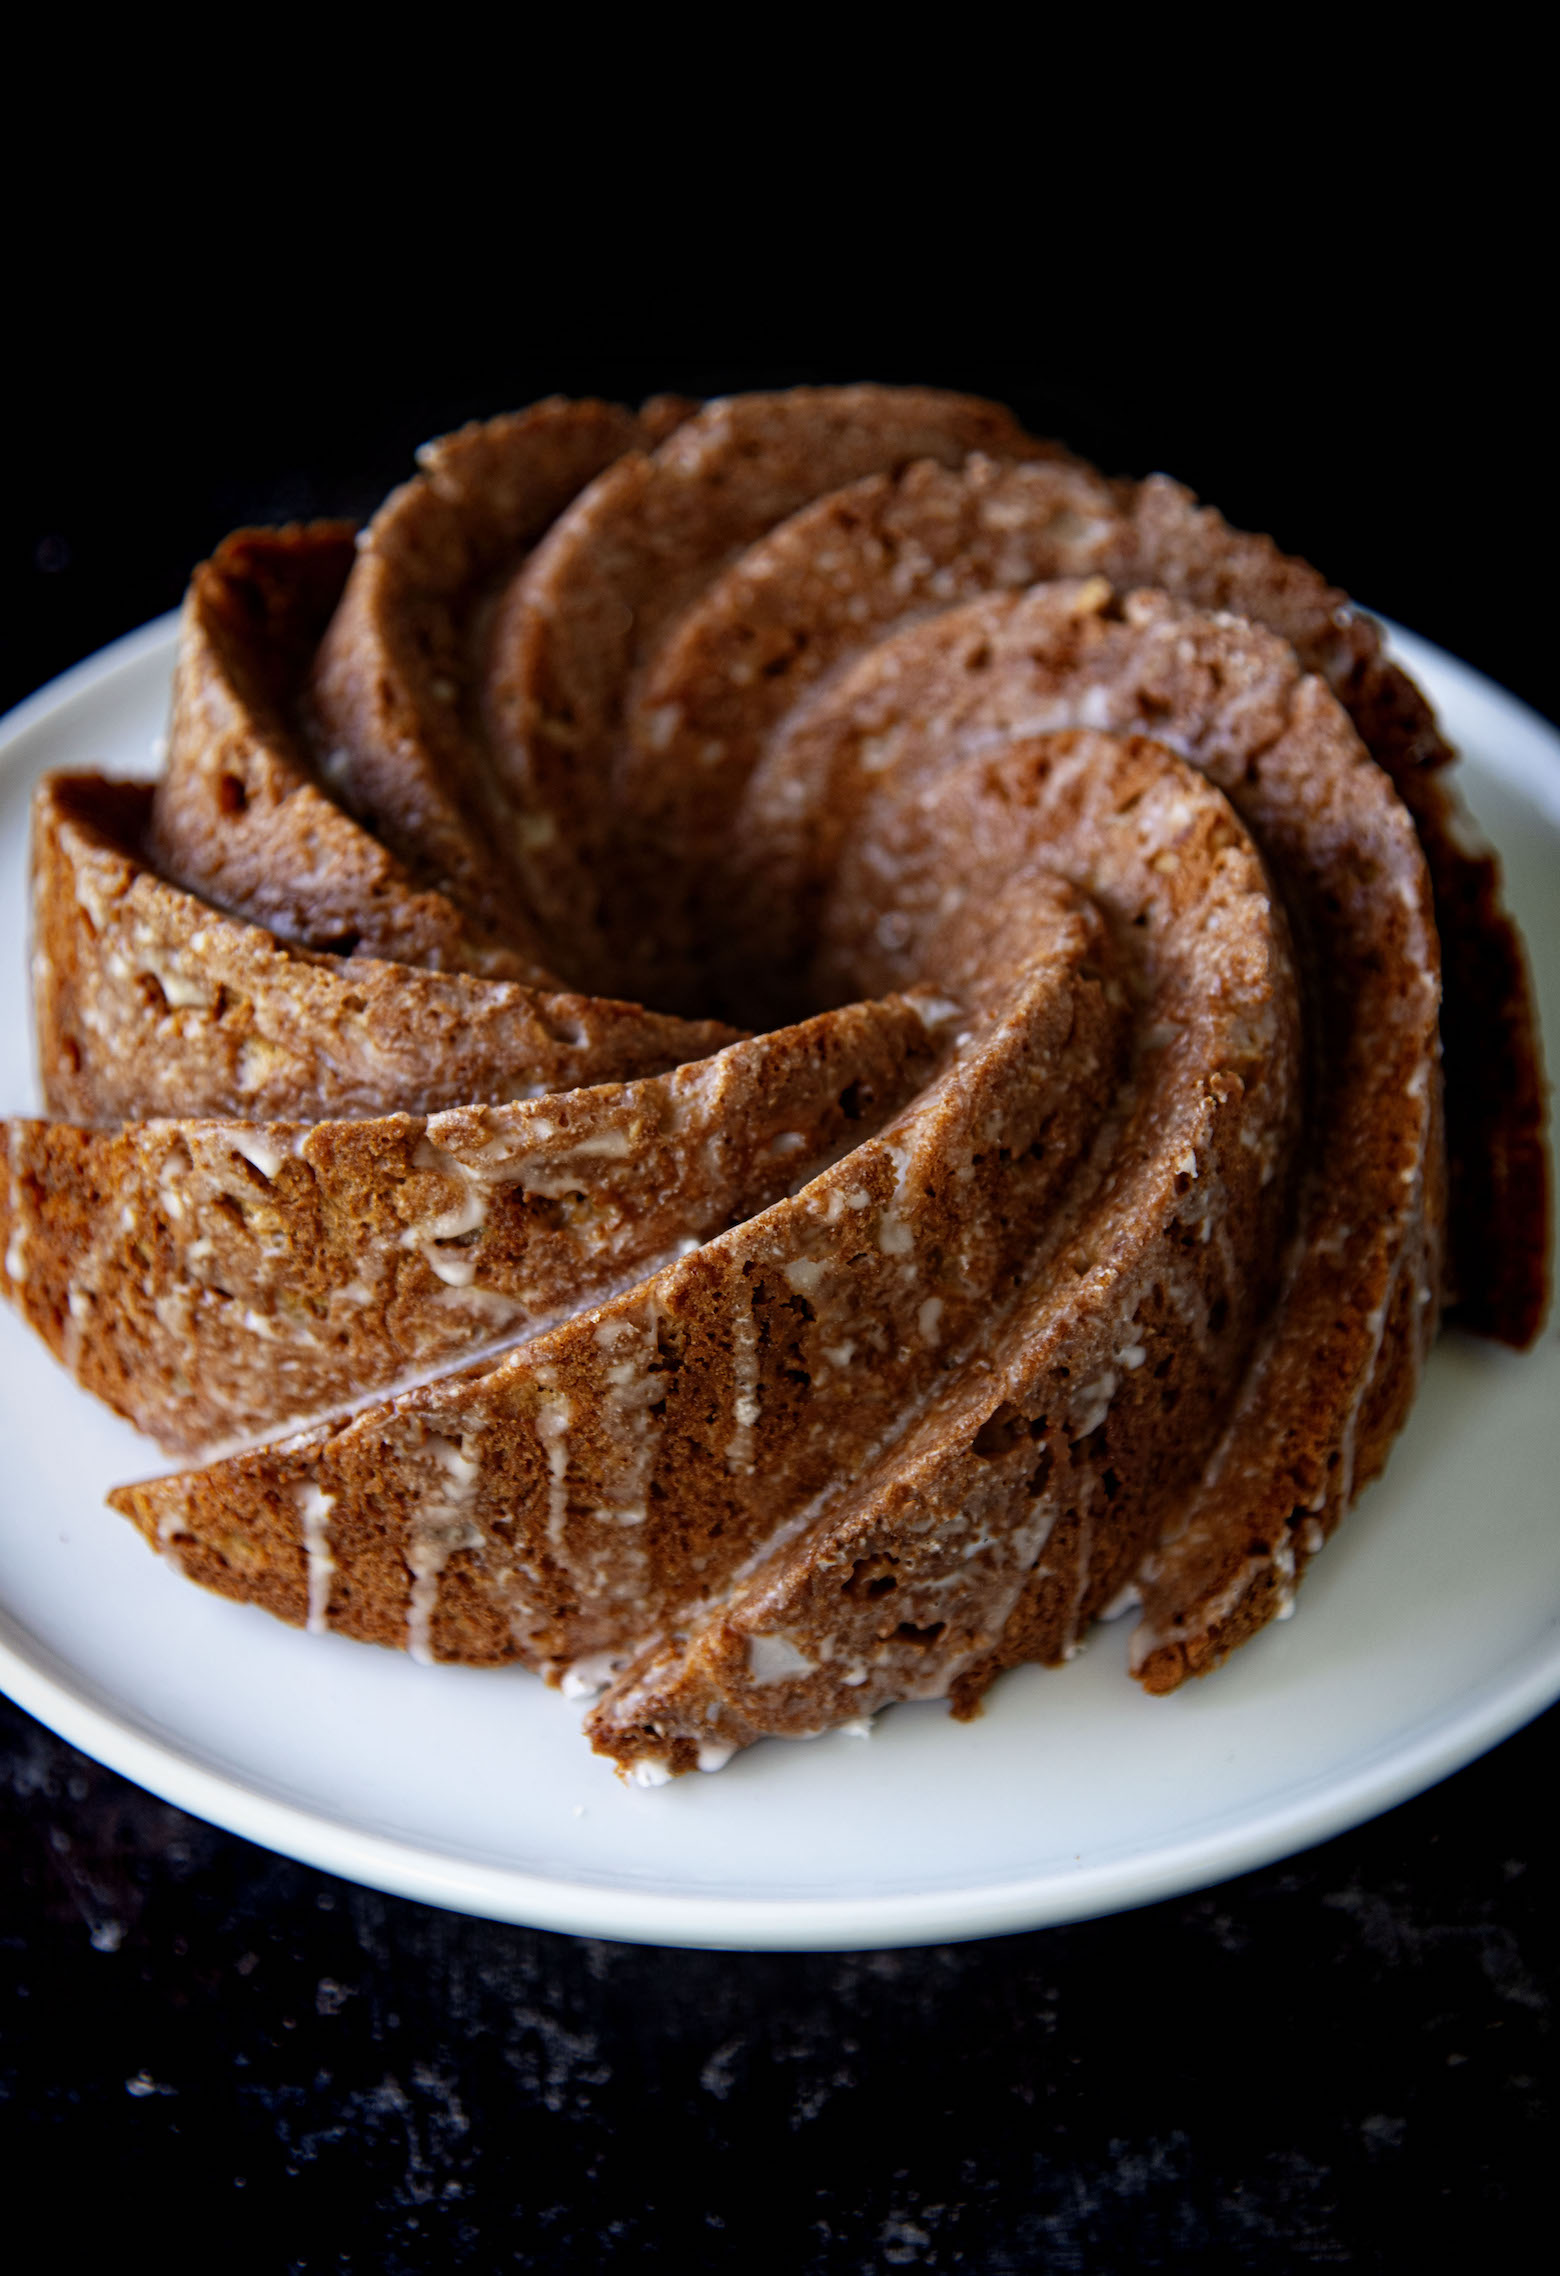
(1417, 471)
(1346, 2060)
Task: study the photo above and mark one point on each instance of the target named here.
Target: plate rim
(1461, 1731)
(1466, 1729)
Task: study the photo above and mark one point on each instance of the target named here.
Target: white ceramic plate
(1429, 1630)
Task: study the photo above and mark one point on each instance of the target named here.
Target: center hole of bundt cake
(717, 946)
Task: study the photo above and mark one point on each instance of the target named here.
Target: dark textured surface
(1344, 2061)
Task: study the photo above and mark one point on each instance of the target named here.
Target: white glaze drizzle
(442, 1525)
(554, 1413)
(744, 1374)
(314, 1508)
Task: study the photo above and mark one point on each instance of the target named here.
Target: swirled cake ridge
(765, 1055)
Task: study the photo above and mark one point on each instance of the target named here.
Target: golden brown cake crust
(239, 815)
(148, 1002)
(634, 1457)
(392, 705)
(1257, 1493)
(1077, 1222)
(1499, 1204)
(213, 1282)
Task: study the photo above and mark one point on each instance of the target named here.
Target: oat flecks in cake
(767, 1056)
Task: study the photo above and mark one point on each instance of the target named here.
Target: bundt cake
(765, 1055)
